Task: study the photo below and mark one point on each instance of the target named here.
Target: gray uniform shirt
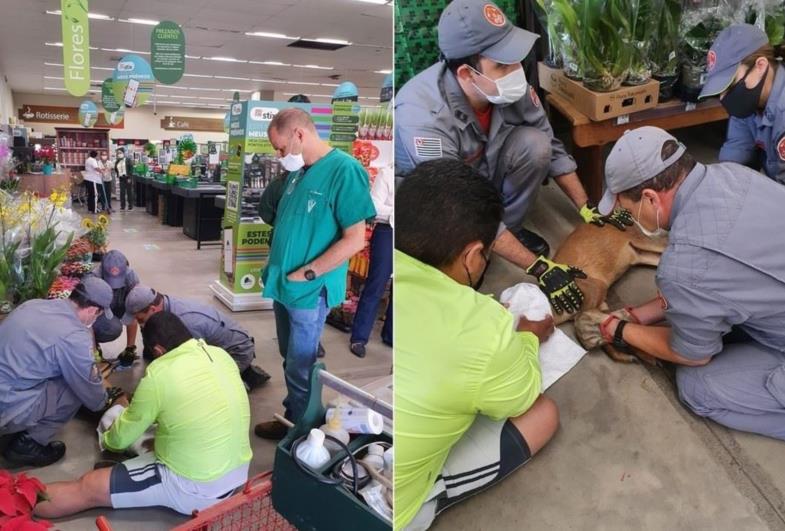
(725, 263)
(44, 340)
(205, 322)
(433, 119)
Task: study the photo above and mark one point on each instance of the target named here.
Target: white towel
(559, 353)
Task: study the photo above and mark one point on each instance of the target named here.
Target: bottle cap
(375, 449)
(316, 437)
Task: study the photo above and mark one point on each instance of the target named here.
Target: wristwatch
(309, 274)
(618, 336)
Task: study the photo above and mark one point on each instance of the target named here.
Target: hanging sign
(114, 117)
(167, 52)
(133, 81)
(76, 46)
(88, 113)
(386, 93)
(108, 100)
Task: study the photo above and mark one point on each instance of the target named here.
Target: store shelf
(79, 148)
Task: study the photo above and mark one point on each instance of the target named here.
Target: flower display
(18, 496)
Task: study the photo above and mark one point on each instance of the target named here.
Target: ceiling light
(145, 21)
(330, 41)
(101, 68)
(95, 16)
(269, 80)
(167, 87)
(309, 95)
(270, 35)
(124, 50)
(237, 90)
(234, 78)
(205, 89)
(182, 97)
(60, 44)
(54, 88)
(316, 67)
(195, 75)
(193, 56)
(210, 98)
(274, 63)
(302, 83)
(329, 84)
(52, 77)
(225, 59)
(55, 64)
(168, 103)
(382, 71)
(378, 2)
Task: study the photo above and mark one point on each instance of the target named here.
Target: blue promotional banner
(88, 113)
(133, 81)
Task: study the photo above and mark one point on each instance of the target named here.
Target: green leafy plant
(699, 28)
(40, 269)
(186, 149)
(571, 37)
(150, 150)
(605, 44)
(644, 18)
(665, 45)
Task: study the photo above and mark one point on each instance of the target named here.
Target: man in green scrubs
(319, 225)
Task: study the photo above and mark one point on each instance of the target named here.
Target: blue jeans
(299, 332)
(379, 273)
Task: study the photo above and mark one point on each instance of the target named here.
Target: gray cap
(139, 298)
(635, 158)
(732, 45)
(97, 292)
(114, 267)
(469, 27)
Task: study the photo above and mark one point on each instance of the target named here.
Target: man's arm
(351, 243)
(136, 418)
(739, 143)
(74, 356)
(508, 247)
(572, 188)
(130, 332)
(656, 341)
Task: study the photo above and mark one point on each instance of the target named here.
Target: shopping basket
(248, 510)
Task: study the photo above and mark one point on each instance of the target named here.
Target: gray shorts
(145, 482)
(487, 453)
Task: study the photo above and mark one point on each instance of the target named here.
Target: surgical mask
(510, 88)
(292, 162)
(120, 156)
(478, 285)
(742, 102)
(103, 157)
(659, 232)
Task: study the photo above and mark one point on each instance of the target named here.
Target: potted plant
(18, 496)
(565, 13)
(699, 27)
(604, 48)
(47, 156)
(644, 18)
(665, 48)
(150, 150)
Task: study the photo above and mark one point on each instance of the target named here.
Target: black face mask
(742, 102)
(478, 285)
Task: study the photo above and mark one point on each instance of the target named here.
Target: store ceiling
(213, 28)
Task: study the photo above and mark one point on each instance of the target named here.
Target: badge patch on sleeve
(428, 148)
(781, 148)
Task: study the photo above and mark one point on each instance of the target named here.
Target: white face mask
(510, 88)
(120, 156)
(292, 162)
(659, 232)
(103, 157)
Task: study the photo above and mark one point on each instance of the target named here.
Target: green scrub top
(317, 205)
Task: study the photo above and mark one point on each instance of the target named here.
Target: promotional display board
(133, 81)
(76, 46)
(167, 52)
(108, 100)
(88, 113)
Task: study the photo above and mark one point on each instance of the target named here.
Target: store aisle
(168, 261)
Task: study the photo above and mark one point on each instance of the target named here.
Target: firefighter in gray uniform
(476, 105)
(204, 322)
(721, 281)
(47, 370)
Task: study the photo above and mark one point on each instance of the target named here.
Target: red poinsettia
(18, 496)
(47, 154)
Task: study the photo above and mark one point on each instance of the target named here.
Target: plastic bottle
(358, 420)
(388, 463)
(334, 429)
(375, 457)
(312, 452)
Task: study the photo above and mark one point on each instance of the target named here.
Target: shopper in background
(346, 91)
(319, 225)
(380, 269)
(47, 370)
(106, 182)
(122, 168)
(204, 322)
(115, 271)
(92, 180)
(743, 71)
(201, 452)
(468, 408)
(476, 106)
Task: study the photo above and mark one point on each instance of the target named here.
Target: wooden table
(44, 185)
(589, 137)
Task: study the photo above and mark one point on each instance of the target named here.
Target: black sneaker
(320, 352)
(533, 242)
(24, 451)
(358, 349)
(273, 430)
(254, 377)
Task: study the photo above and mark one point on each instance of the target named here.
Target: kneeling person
(202, 449)
(204, 322)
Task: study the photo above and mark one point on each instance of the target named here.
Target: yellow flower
(103, 221)
(87, 223)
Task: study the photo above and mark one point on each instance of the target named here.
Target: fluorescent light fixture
(193, 56)
(145, 21)
(101, 68)
(196, 75)
(182, 97)
(94, 16)
(270, 35)
(302, 83)
(382, 71)
(53, 77)
(368, 98)
(167, 87)
(273, 63)
(315, 67)
(330, 41)
(309, 95)
(53, 64)
(237, 90)
(205, 89)
(54, 88)
(269, 80)
(233, 78)
(225, 59)
(210, 98)
(329, 84)
(377, 2)
(124, 50)
(168, 103)
(60, 45)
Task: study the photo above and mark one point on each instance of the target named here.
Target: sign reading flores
(76, 46)
(167, 52)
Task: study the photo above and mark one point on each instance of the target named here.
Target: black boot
(24, 451)
(533, 242)
(254, 377)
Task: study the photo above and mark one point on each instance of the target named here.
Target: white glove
(106, 422)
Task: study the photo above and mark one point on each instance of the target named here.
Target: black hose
(321, 478)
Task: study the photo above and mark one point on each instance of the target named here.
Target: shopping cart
(248, 510)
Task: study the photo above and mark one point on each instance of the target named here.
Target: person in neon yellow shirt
(194, 393)
(468, 407)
